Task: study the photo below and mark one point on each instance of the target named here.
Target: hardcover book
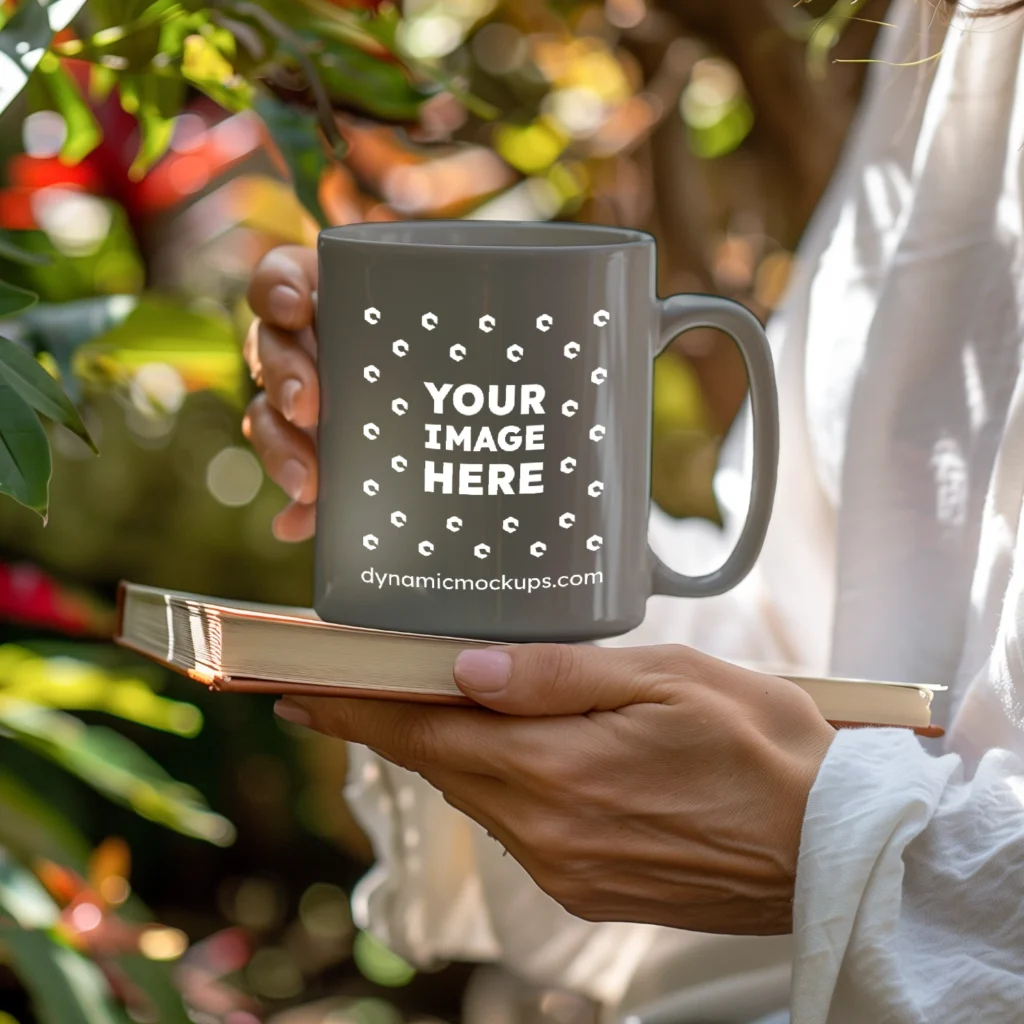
(258, 648)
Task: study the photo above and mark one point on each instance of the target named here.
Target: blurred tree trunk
(781, 171)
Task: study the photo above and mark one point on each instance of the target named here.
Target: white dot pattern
(458, 353)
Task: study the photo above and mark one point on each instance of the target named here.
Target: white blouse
(894, 553)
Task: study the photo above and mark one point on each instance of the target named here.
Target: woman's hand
(650, 784)
(281, 352)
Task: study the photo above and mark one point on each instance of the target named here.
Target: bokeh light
(499, 48)
(162, 943)
(76, 222)
(715, 108)
(379, 964)
(234, 476)
(430, 36)
(43, 133)
(157, 387)
(86, 917)
(115, 889)
(625, 13)
(324, 912)
(189, 130)
(580, 111)
(255, 903)
(531, 148)
(273, 973)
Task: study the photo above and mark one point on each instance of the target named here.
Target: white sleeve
(910, 887)
(442, 890)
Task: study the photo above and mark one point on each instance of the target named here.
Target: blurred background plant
(151, 153)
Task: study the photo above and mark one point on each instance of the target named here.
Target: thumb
(565, 679)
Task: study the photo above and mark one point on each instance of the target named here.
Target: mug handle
(680, 313)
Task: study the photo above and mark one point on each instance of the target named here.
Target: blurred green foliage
(236, 52)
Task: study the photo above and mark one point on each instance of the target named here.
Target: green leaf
(60, 13)
(106, 262)
(123, 34)
(159, 100)
(73, 684)
(14, 299)
(39, 389)
(66, 988)
(115, 767)
(10, 250)
(297, 137)
(60, 328)
(174, 31)
(24, 452)
(31, 828)
(83, 130)
(23, 40)
(206, 67)
(157, 981)
(23, 897)
(376, 86)
(201, 346)
(101, 82)
(357, 60)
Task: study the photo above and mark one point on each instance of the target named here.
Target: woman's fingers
(281, 352)
(295, 522)
(287, 453)
(288, 374)
(282, 289)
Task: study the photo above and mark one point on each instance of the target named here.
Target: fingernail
(292, 478)
(283, 302)
(483, 671)
(289, 392)
(292, 713)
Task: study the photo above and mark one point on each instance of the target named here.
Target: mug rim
(604, 237)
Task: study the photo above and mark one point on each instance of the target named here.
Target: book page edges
(931, 732)
(236, 684)
(330, 690)
(199, 673)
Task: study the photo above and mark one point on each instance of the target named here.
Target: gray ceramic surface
(532, 344)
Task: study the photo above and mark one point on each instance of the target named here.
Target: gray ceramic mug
(485, 429)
